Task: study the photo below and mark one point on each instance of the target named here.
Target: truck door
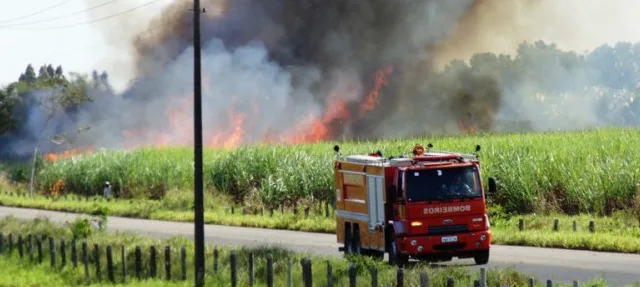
(398, 202)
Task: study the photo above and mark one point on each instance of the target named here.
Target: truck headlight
(414, 242)
(483, 237)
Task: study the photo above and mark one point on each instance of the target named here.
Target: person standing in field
(107, 190)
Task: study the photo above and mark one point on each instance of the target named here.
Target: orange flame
(372, 99)
(53, 157)
(234, 136)
(312, 128)
(466, 129)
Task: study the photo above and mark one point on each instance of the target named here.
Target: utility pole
(197, 142)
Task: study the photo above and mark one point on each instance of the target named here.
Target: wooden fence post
(592, 226)
(424, 279)
(476, 283)
(123, 259)
(306, 272)
(555, 224)
(63, 253)
(400, 277)
(96, 255)
(289, 272)
(110, 272)
(450, 282)
(531, 282)
(232, 262)
(329, 274)
(74, 253)
(85, 259)
(10, 243)
(575, 283)
(549, 283)
(269, 270)
(483, 277)
(183, 261)
(152, 262)
(252, 275)
(1, 242)
(352, 275)
(374, 276)
(20, 250)
(39, 245)
(52, 251)
(575, 226)
(167, 262)
(30, 247)
(138, 255)
(216, 255)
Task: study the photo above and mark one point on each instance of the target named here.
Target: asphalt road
(541, 263)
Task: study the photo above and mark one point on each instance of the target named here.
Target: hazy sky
(572, 24)
(80, 48)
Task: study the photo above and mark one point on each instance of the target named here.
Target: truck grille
(448, 247)
(448, 229)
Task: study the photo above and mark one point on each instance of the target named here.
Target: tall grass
(582, 171)
(41, 274)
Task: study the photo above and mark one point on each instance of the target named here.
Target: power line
(36, 13)
(61, 17)
(86, 22)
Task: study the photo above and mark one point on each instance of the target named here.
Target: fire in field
(304, 71)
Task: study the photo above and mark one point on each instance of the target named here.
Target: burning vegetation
(297, 71)
(288, 72)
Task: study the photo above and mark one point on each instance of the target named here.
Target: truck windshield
(442, 184)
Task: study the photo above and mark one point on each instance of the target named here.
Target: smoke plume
(292, 71)
(309, 70)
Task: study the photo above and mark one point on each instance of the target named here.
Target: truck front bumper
(452, 244)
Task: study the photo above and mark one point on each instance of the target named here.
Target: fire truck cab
(430, 207)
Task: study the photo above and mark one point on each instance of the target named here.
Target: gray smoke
(280, 69)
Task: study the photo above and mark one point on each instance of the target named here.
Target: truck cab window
(442, 184)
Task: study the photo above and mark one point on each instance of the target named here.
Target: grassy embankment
(23, 272)
(583, 176)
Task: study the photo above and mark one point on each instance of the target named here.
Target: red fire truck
(430, 206)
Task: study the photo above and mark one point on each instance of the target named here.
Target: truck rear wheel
(348, 243)
(356, 244)
(482, 257)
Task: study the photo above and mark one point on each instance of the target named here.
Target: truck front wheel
(482, 257)
(395, 257)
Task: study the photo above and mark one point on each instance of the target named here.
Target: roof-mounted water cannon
(477, 151)
(377, 154)
(336, 149)
(418, 150)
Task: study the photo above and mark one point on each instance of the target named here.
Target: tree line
(539, 81)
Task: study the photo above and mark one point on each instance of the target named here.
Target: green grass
(581, 171)
(618, 233)
(16, 271)
(589, 174)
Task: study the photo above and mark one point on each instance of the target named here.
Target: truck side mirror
(492, 185)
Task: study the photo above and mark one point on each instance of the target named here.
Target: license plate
(448, 239)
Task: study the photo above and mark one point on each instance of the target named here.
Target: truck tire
(356, 243)
(395, 257)
(482, 257)
(348, 243)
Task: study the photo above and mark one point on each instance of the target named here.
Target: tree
(59, 73)
(29, 75)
